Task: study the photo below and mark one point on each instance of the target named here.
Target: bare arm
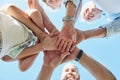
(95, 68)
(68, 33)
(34, 4)
(15, 11)
(51, 60)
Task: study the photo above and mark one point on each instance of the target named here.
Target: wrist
(48, 67)
(79, 55)
(68, 20)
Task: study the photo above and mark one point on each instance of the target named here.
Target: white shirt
(109, 6)
(14, 36)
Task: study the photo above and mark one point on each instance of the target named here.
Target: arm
(14, 12)
(88, 34)
(34, 4)
(68, 33)
(94, 67)
(106, 30)
(51, 60)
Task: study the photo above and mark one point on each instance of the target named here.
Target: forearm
(70, 6)
(32, 50)
(27, 62)
(95, 33)
(47, 23)
(45, 73)
(24, 18)
(96, 69)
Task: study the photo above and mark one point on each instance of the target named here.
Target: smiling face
(90, 12)
(70, 72)
(54, 4)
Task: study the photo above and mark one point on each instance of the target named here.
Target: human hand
(80, 36)
(72, 55)
(54, 58)
(32, 3)
(54, 33)
(66, 38)
(49, 43)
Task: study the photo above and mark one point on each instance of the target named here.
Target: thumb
(63, 55)
(74, 37)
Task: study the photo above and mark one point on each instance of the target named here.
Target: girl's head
(70, 72)
(54, 4)
(90, 12)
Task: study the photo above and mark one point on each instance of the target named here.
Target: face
(54, 4)
(91, 13)
(70, 73)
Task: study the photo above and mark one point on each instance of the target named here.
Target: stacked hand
(67, 38)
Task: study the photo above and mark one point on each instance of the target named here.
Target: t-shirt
(14, 36)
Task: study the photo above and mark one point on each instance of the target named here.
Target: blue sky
(104, 50)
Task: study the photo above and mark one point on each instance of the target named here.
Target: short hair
(44, 1)
(66, 65)
(85, 6)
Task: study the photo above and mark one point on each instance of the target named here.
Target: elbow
(10, 7)
(22, 68)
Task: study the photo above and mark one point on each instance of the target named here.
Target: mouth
(70, 77)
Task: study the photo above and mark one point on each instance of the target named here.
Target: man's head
(70, 72)
(90, 12)
(54, 4)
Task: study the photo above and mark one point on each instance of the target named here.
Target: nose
(69, 72)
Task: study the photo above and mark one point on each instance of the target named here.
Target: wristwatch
(68, 19)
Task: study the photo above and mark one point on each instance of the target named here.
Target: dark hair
(44, 0)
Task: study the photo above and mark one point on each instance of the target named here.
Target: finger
(61, 45)
(72, 48)
(67, 58)
(54, 33)
(74, 38)
(69, 46)
(64, 47)
(58, 41)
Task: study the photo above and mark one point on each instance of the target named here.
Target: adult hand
(54, 33)
(49, 43)
(32, 3)
(72, 55)
(54, 58)
(67, 37)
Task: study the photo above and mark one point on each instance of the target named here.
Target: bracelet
(79, 55)
(68, 19)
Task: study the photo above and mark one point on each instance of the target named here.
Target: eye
(66, 70)
(87, 10)
(73, 70)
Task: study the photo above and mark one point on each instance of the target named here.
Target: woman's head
(70, 72)
(90, 12)
(54, 4)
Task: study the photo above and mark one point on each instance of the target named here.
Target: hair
(84, 7)
(49, 7)
(66, 65)
(44, 1)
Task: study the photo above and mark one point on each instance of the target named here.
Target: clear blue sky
(104, 50)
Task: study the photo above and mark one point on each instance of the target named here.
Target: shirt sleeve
(75, 2)
(112, 28)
